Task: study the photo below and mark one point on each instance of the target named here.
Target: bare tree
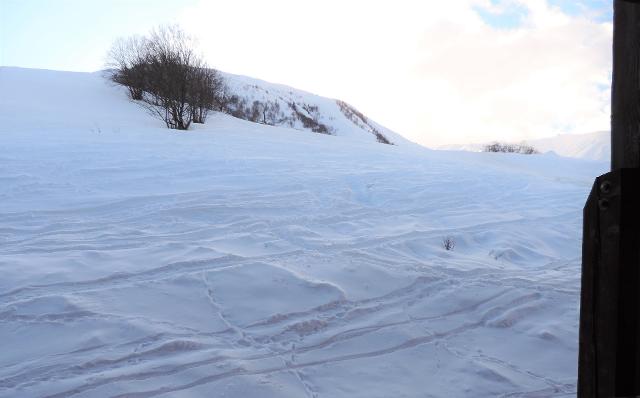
(171, 63)
(163, 72)
(206, 92)
(126, 62)
(224, 97)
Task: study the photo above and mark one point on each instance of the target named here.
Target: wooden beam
(625, 95)
(609, 359)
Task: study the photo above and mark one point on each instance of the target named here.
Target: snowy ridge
(92, 102)
(280, 105)
(244, 260)
(591, 146)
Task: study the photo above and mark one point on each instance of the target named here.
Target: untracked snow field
(241, 260)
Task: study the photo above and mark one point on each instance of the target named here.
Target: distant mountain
(591, 146)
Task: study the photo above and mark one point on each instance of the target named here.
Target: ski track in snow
(249, 261)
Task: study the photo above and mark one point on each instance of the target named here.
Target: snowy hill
(245, 260)
(280, 105)
(592, 146)
(93, 102)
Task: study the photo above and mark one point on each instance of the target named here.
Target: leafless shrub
(380, 137)
(205, 91)
(224, 97)
(360, 120)
(309, 121)
(522, 148)
(126, 62)
(165, 75)
(448, 243)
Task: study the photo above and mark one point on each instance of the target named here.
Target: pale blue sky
(514, 13)
(601, 10)
(74, 34)
(518, 68)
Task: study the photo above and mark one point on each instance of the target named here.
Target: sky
(437, 72)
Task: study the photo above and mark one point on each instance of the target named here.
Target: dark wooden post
(625, 96)
(609, 362)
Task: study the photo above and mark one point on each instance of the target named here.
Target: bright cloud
(438, 72)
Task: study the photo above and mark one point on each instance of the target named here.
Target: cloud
(437, 72)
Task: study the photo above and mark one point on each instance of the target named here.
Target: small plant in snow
(448, 243)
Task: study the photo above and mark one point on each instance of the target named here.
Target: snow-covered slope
(592, 146)
(91, 101)
(243, 260)
(285, 106)
(44, 99)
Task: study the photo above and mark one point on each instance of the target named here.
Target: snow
(242, 260)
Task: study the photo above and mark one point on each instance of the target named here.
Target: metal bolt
(605, 187)
(604, 204)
